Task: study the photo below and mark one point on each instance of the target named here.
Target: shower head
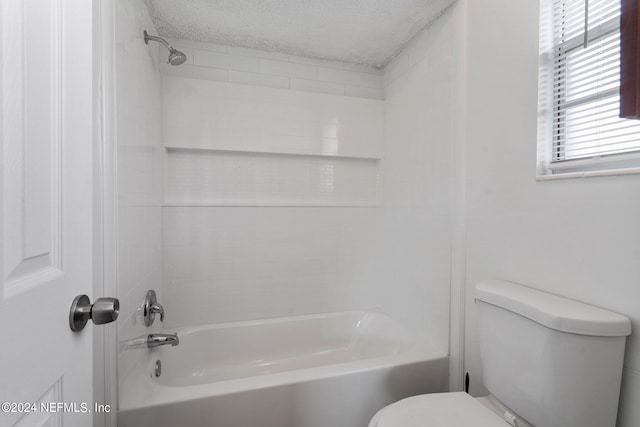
(175, 56)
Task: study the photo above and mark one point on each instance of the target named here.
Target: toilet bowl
(547, 361)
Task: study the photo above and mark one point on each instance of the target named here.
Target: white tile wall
(257, 79)
(325, 63)
(235, 263)
(209, 59)
(363, 92)
(261, 68)
(257, 53)
(288, 69)
(395, 68)
(413, 277)
(319, 87)
(433, 43)
(236, 178)
(207, 114)
(138, 138)
(195, 72)
(342, 76)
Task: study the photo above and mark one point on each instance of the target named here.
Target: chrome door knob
(103, 310)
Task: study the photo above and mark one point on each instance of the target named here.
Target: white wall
(138, 139)
(578, 238)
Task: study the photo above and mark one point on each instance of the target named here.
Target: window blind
(585, 85)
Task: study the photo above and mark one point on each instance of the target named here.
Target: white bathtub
(331, 370)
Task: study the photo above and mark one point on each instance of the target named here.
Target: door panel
(45, 208)
(31, 128)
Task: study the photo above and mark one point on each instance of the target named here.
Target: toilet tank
(553, 361)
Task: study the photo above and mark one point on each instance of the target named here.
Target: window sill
(589, 174)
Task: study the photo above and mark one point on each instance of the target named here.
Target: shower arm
(175, 56)
(147, 37)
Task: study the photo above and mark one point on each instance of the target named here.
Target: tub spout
(156, 340)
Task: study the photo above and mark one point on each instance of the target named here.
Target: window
(579, 125)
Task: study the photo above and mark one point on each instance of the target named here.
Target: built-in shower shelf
(202, 176)
(272, 204)
(171, 148)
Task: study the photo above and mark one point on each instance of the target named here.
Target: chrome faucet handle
(150, 307)
(156, 307)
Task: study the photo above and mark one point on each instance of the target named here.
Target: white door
(45, 210)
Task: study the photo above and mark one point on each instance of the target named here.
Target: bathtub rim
(142, 391)
(375, 326)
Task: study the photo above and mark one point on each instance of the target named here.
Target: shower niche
(235, 145)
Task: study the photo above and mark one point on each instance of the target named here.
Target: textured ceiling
(358, 31)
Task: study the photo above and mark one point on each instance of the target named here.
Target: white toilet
(547, 361)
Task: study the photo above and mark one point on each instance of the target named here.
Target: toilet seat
(437, 410)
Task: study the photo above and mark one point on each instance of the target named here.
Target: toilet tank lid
(553, 311)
